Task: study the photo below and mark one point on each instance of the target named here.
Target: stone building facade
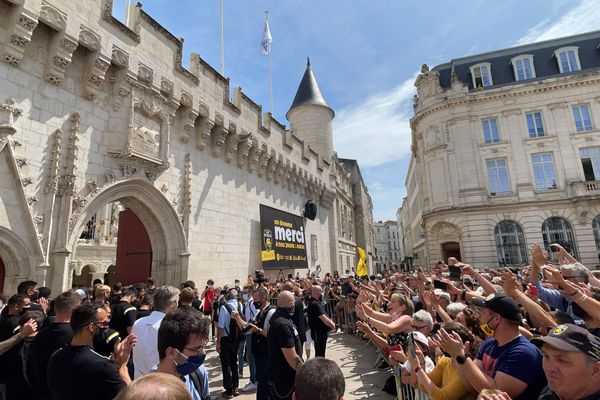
(96, 113)
(505, 154)
(387, 244)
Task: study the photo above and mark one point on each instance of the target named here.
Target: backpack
(234, 332)
(198, 383)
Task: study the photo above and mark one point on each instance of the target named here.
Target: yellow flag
(361, 268)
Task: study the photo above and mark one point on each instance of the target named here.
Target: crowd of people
(505, 333)
(454, 332)
(149, 342)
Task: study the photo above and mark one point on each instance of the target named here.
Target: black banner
(283, 239)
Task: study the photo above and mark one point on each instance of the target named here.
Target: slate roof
(308, 92)
(543, 59)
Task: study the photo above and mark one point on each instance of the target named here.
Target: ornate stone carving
(427, 83)
(145, 74)
(32, 200)
(21, 162)
(255, 154)
(128, 170)
(52, 176)
(8, 115)
(433, 137)
(38, 219)
(89, 39)
(219, 134)
(164, 188)
(59, 56)
(151, 176)
(67, 186)
(233, 143)
(19, 35)
(26, 181)
(95, 76)
(272, 168)
(92, 187)
(187, 185)
(186, 99)
(263, 161)
(187, 117)
(203, 133)
(166, 87)
(119, 57)
(53, 17)
(244, 149)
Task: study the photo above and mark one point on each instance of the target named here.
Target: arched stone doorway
(450, 249)
(165, 231)
(83, 278)
(17, 261)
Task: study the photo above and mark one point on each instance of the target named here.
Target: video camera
(259, 277)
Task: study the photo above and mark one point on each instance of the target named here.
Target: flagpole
(222, 49)
(270, 80)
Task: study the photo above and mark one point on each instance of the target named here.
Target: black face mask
(257, 304)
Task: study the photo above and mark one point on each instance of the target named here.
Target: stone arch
(440, 233)
(18, 260)
(159, 217)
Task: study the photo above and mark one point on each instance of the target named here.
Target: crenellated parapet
(136, 68)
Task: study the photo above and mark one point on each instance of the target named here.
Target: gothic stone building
(104, 135)
(505, 154)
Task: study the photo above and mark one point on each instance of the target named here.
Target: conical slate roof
(308, 92)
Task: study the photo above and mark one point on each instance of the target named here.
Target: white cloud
(376, 130)
(584, 17)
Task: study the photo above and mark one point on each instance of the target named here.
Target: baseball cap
(570, 337)
(501, 304)
(421, 338)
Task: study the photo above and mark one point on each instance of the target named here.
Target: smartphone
(454, 272)
(533, 290)
(411, 345)
(440, 285)
(514, 270)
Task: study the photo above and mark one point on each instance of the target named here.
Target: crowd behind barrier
(453, 332)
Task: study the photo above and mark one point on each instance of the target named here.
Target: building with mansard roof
(119, 163)
(505, 154)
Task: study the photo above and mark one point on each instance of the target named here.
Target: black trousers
(228, 356)
(262, 391)
(320, 339)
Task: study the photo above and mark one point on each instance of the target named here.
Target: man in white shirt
(145, 354)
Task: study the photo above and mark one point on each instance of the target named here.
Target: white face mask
(246, 296)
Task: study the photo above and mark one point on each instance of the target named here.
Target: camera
(259, 277)
(248, 325)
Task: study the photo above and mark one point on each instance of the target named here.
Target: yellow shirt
(448, 382)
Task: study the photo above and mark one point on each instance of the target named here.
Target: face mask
(486, 329)
(210, 286)
(246, 297)
(291, 310)
(192, 364)
(257, 304)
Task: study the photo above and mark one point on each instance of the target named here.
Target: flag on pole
(265, 43)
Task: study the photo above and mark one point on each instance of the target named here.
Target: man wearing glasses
(77, 371)
(181, 339)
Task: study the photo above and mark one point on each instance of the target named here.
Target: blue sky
(365, 55)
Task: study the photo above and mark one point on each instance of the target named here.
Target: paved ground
(354, 358)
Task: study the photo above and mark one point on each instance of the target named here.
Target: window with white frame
(482, 75)
(535, 126)
(497, 176)
(523, 67)
(568, 59)
(581, 115)
(543, 171)
(590, 161)
(490, 130)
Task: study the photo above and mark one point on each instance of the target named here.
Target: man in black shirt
(284, 348)
(318, 321)
(116, 294)
(9, 324)
(298, 317)
(55, 336)
(124, 313)
(76, 371)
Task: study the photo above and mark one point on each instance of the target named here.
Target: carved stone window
(568, 59)
(523, 67)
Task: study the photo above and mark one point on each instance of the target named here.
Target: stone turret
(310, 116)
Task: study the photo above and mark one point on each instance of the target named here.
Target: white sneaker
(250, 387)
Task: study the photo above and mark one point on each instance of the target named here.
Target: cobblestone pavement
(354, 357)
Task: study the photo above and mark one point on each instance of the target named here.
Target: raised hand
(450, 343)
(539, 257)
(28, 328)
(509, 282)
(122, 350)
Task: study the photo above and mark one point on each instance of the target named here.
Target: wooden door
(134, 252)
